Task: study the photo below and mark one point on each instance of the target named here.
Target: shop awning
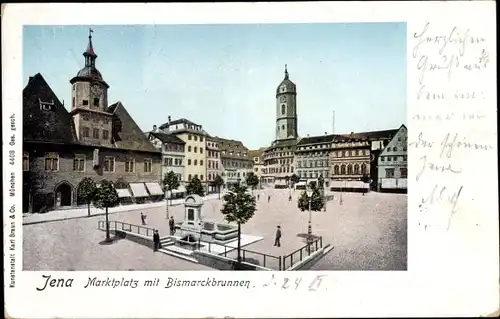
(123, 193)
(139, 190)
(154, 189)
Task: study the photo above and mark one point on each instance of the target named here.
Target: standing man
(156, 240)
(278, 237)
(268, 198)
(143, 219)
(171, 225)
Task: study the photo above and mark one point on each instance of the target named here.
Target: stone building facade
(94, 140)
(312, 158)
(195, 138)
(258, 161)
(234, 159)
(393, 163)
(173, 153)
(213, 160)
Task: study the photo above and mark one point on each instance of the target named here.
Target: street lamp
(166, 202)
(309, 193)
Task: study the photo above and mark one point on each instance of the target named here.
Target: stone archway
(63, 195)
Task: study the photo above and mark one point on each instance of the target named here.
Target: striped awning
(123, 193)
(154, 189)
(139, 190)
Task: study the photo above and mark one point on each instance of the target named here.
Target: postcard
(333, 159)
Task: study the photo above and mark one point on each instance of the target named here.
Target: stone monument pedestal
(192, 224)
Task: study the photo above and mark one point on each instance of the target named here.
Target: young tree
(295, 179)
(195, 187)
(239, 207)
(252, 180)
(87, 191)
(218, 182)
(316, 201)
(106, 197)
(170, 182)
(287, 181)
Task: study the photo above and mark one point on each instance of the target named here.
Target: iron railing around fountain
(117, 225)
(301, 253)
(249, 256)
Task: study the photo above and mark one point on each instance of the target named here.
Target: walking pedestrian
(156, 240)
(258, 196)
(268, 198)
(278, 237)
(289, 198)
(171, 225)
(143, 219)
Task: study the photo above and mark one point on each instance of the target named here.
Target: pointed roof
(45, 119)
(90, 48)
(290, 86)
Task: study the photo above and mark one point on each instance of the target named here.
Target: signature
(442, 194)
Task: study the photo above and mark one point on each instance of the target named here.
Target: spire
(286, 73)
(89, 53)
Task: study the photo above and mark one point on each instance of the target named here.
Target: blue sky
(224, 77)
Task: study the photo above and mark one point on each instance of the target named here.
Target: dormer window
(46, 106)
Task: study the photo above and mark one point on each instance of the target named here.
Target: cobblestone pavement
(368, 233)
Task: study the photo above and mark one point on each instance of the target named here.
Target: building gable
(45, 119)
(398, 145)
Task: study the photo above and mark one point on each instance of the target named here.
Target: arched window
(349, 169)
(283, 109)
(336, 170)
(356, 169)
(342, 169)
(395, 149)
(189, 177)
(363, 169)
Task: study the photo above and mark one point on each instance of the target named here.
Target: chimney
(169, 119)
(307, 135)
(326, 133)
(155, 128)
(63, 102)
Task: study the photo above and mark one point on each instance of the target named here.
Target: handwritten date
(288, 283)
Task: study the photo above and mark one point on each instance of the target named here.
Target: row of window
(393, 158)
(195, 137)
(233, 174)
(350, 169)
(312, 174)
(174, 147)
(212, 144)
(213, 164)
(195, 149)
(168, 161)
(277, 170)
(195, 162)
(351, 153)
(52, 163)
(389, 172)
(310, 163)
(95, 133)
(95, 119)
(236, 164)
(213, 154)
(283, 161)
(395, 149)
(232, 153)
(86, 102)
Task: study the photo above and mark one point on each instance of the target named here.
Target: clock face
(96, 89)
(283, 98)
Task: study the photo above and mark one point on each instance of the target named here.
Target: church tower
(286, 109)
(89, 101)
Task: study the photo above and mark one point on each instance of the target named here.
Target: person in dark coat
(278, 237)
(156, 240)
(268, 198)
(258, 196)
(143, 219)
(171, 225)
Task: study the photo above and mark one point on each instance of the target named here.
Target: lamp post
(309, 192)
(166, 202)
